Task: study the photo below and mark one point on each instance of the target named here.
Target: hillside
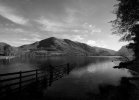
(54, 46)
(126, 52)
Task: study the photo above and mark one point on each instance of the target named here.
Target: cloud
(46, 24)
(15, 42)
(54, 26)
(49, 25)
(36, 37)
(71, 16)
(97, 43)
(91, 28)
(10, 15)
(91, 42)
(15, 30)
(28, 40)
(22, 34)
(77, 38)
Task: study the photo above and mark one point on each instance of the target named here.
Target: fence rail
(16, 80)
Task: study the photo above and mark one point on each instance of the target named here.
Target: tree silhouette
(7, 50)
(127, 23)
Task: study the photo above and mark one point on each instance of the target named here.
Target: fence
(17, 81)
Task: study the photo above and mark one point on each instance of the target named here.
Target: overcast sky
(87, 21)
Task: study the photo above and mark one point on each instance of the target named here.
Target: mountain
(126, 52)
(55, 46)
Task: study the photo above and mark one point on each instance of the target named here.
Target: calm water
(86, 78)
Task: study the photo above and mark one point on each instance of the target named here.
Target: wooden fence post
(68, 69)
(51, 75)
(20, 81)
(36, 75)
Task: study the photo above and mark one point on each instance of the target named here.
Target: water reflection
(99, 74)
(91, 76)
(28, 63)
(88, 79)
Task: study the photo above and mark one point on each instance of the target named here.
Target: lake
(87, 79)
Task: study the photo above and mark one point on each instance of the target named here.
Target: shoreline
(133, 66)
(7, 57)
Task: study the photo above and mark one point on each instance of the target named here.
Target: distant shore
(11, 57)
(7, 57)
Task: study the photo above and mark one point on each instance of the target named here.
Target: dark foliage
(127, 23)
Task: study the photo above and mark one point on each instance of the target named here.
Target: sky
(86, 21)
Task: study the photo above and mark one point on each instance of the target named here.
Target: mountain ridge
(55, 46)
